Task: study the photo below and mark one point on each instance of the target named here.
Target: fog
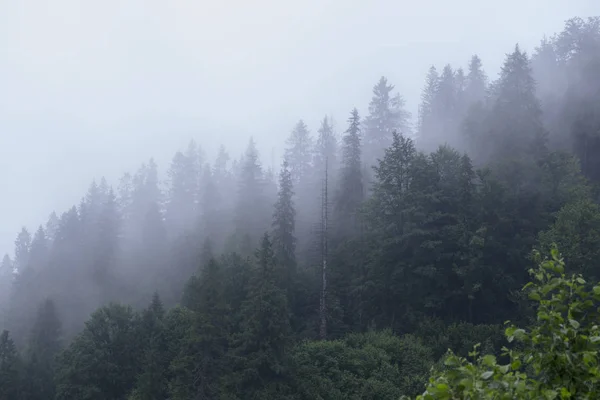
(94, 89)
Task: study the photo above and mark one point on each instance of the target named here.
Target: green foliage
(576, 232)
(198, 365)
(102, 361)
(44, 345)
(152, 381)
(10, 369)
(557, 358)
(259, 350)
(360, 366)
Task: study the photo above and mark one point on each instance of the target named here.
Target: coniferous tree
(6, 281)
(184, 179)
(476, 84)
(52, 227)
(351, 184)
(152, 381)
(22, 249)
(44, 345)
(325, 148)
(250, 209)
(10, 377)
(427, 125)
(517, 128)
(21, 305)
(299, 153)
(284, 222)
(386, 115)
(445, 107)
(259, 350)
(102, 361)
(390, 217)
(39, 249)
(198, 367)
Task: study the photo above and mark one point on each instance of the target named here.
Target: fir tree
(517, 125)
(184, 179)
(102, 361)
(476, 84)
(284, 221)
(299, 152)
(386, 115)
(199, 365)
(351, 189)
(427, 125)
(44, 345)
(52, 227)
(22, 248)
(10, 379)
(251, 209)
(152, 381)
(260, 349)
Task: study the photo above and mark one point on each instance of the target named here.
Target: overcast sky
(93, 88)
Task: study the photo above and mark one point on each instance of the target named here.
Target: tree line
(347, 273)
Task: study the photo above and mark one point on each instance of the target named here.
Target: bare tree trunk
(323, 297)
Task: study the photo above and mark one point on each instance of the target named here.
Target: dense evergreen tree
(476, 85)
(351, 194)
(260, 349)
(10, 368)
(284, 221)
(44, 345)
(516, 105)
(252, 206)
(427, 126)
(183, 198)
(386, 115)
(199, 365)
(298, 152)
(22, 249)
(431, 257)
(102, 361)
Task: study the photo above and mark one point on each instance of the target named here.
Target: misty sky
(95, 88)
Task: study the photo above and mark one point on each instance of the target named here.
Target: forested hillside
(346, 273)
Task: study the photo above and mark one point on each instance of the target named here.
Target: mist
(290, 201)
(94, 90)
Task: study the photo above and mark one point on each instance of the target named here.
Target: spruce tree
(299, 152)
(445, 106)
(284, 222)
(199, 367)
(251, 209)
(476, 84)
(45, 342)
(325, 148)
(386, 115)
(152, 381)
(103, 360)
(259, 350)
(22, 249)
(427, 124)
(184, 180)
(6, 281)
(517, 128)
(10, 377)
(351, 185)
(52, 227)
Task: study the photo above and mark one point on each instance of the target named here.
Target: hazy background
(95, 88)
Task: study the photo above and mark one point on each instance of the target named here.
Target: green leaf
(487, 374)
(535, 296)
(489, 360)
(574, 323)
